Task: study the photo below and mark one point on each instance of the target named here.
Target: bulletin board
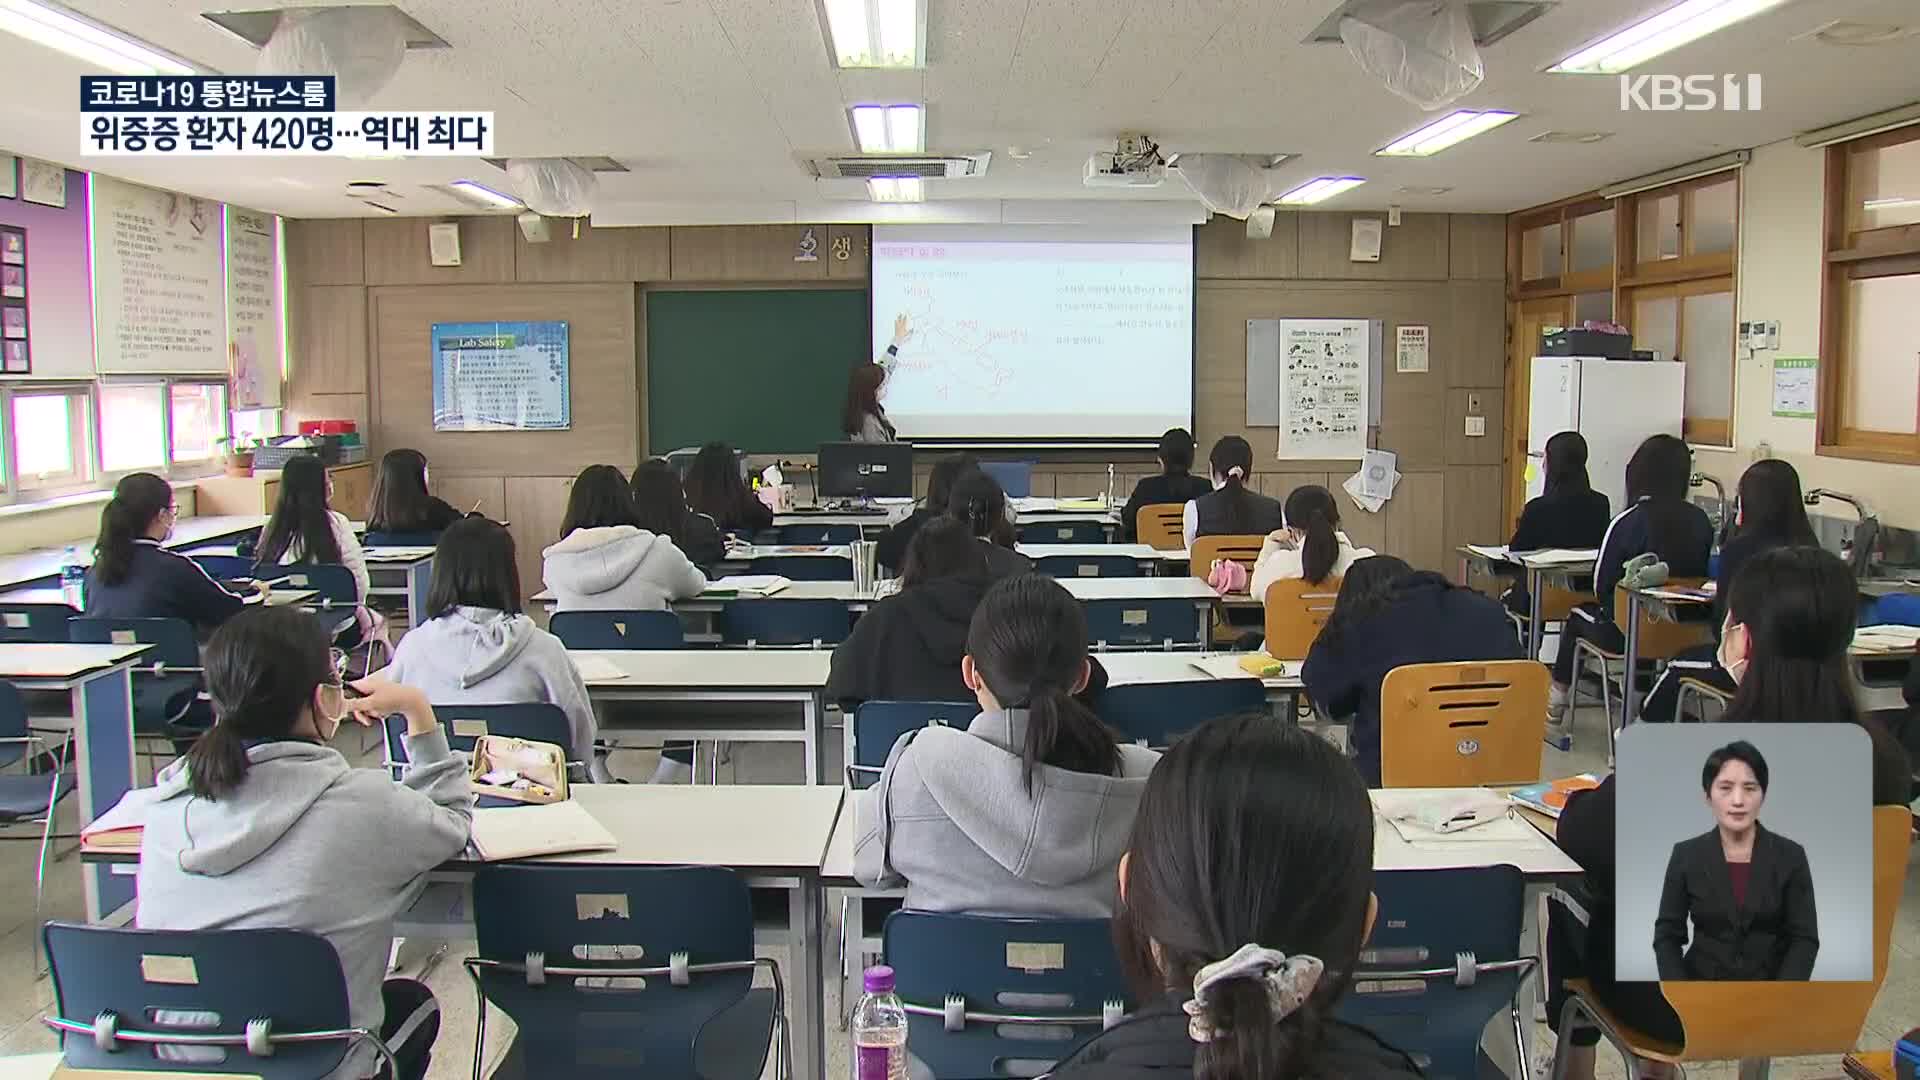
(501, 376)
(159, 281)
(1318, 382)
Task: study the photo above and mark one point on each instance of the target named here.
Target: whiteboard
(159, 301)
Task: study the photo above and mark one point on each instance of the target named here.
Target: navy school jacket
(161, 584)
(1686, 553)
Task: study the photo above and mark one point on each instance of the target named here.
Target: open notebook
(747, 585)
(520, 832)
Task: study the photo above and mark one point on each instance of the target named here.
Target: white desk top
(1141, 552)
(398, 554)
(763, 827)
(707, 669)
(189, 533)
(747, 553)
(887, 516)
(1128, 668)
(56, 661)
(1139, 588)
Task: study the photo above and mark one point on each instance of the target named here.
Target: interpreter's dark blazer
(1774, 936)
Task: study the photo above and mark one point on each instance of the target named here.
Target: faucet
(1725, 512)
(1864, 534)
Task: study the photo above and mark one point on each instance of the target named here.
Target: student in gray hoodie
(1027, 811)
(605, 561)
(478, 648)
(262, 824)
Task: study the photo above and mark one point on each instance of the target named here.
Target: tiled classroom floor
(23, 998)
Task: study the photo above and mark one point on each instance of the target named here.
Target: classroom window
(1593, 243)
(1540, 254)
(1884, 187)
(1713, 210)
(1884, 393)
(1869, 405)
(1692, 323)
(52, 438)
(199, 420)
(1593, 307)
(256, 424)
(133, 427)
(1659, 228)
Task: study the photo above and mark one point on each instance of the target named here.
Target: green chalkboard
(763, 369)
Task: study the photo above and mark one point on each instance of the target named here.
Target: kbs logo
(1689, 93)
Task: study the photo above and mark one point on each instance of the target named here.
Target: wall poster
(506, 376)
(254, 348)
(160, 296)
(1324, 389)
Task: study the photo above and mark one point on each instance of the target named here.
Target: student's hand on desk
(380, 698)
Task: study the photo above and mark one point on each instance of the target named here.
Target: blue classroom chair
(34, 622)
(29, 798)
(877, 725)
(664, 954)
(401, 539)
(953, 973)
(617, 630)
(1154, 713)
(775, 622)
(272, 1003)
(535, 722)
(805, 567)
(235, 568)
(1087, 566)
(165, 698)
(1014, 477)
(1156, 623)
(1062, 532)
(809, 533)
(1414, 998)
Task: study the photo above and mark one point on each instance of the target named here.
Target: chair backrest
(1145, 623)
(805, 567)
(633, 630)
(1556, 604)
(1086, 566)
(1244, 550)
(809, 533)
(332, 581)
(1789, 1019)
(464, 724)
(877, 725)
(1061, 972)
(1061, 532)
(1014, 477)
(34, 622)
(401, 539)
(234, 568)
(1296, 609)
(1662, 639)
(784, 622)
(1427, 919)
(1462, 724)
(13, 724)
(1153, 713)
(172, 639)
(219, 982)
(611, 917)
(1161, 526)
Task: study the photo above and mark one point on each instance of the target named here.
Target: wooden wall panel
(1416, 521)
(747, 253)
(1477, 344)
(325, 252)
(1473, 510)
(1477, 247)
(397, 251)
(1463, 449)
(602, 343)
(1222, 250)
(624, 254)
(1414, 250)
(304, 406)
(535, 506)
(854, 266)
(486, 494)
(330, 339)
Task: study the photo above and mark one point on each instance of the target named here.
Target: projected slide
(1036, 333)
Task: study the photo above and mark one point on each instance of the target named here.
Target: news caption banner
(259, 115)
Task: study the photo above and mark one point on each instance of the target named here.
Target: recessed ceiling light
(1584, 137)
(85, 40)
(485, 194)
(1895, 203)
(1685, 22)
(1849, 32)
(1424, 190)
(895, 189)
(889, 129)
(876, 33)
(1320, 189)
(1452, 129)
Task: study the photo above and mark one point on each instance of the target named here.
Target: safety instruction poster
(1323, 398)
(506, 376)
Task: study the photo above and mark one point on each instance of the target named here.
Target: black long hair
(601, 497)
(1739, 750)
(1659, 474)
(978, 500)
(1771, 505)
(943, 548)
(940, 479)
(1311, 509)
(301, 522)
(1249, 831)
(1176, 452)
(715, 486)
(1368, 586)
(1566, 463)
(659, 502)
(1231, 452)
(137, 500)
(1798, 606)
(262, 667)
(400, 502)
(863, 399)
(1028, 641)
(474, 566)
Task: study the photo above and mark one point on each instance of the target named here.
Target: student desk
(1152, 560)
(1669, 605)
(401, 572)
(870, 525)
(748, 678)
(43, 564)
(1187, 588)
(739, 559)
(1128, 668)
(98, 680)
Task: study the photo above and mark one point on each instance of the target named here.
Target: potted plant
(239, 456)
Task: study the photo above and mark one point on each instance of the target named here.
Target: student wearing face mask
(263, 824)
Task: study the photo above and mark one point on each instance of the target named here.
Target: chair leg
(1606, 703)
(1522, 1064)
(1754, 1068)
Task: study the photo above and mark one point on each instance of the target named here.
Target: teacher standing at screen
(864, 419)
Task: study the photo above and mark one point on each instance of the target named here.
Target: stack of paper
(1080, 504)
(1550, 798)
(124, 838)
(1373, 485)
(520, 832)
(1887, 638)
(1562, 556)
(593, 669)
(1496, 552)
(1241, 666)
(747, 585)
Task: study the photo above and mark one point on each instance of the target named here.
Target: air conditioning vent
(1583, 137)
(1492, 19)
(255, 27)
(598, 164)
(932, 168)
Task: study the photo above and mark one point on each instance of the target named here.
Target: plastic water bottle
(73, 579)
(879, 1030)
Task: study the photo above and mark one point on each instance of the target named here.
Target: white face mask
(1734, 665)
(327, 719)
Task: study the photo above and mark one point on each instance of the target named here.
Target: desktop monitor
(866, 470)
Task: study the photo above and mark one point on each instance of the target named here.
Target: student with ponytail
(977, 500)
(1246, 894)
(133, 577)
(1231, 508)
(1026, 811)
(1310, 548)
(263, 824)
(303, 529)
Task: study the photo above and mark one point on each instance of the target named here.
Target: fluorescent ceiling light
(486, 194)
(895, 189)
(1456, 127)
(889, 129)
(1662, 33)
(1895, 203)
(876, 33)
(1320, 190)
(84, 40)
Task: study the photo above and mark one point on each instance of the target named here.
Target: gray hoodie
(480, 656)
(307, 842)
(967, 836)
(619, 568)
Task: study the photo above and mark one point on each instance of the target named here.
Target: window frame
(170, 466)
(85, 446)
(1853, 254)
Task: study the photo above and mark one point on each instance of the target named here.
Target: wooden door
(1527, 319)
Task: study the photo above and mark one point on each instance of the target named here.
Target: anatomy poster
(1323, 399)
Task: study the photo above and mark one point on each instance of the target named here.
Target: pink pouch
(1227, 576)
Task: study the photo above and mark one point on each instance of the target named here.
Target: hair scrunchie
(1288, 981)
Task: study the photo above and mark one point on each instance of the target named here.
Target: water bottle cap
(879, 979)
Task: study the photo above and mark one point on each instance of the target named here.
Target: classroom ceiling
(716, 105)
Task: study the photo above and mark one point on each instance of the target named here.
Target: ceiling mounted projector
(1134, 162)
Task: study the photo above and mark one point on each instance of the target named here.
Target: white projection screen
(1036, 334)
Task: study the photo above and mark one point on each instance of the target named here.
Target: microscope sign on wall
(808, 249)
